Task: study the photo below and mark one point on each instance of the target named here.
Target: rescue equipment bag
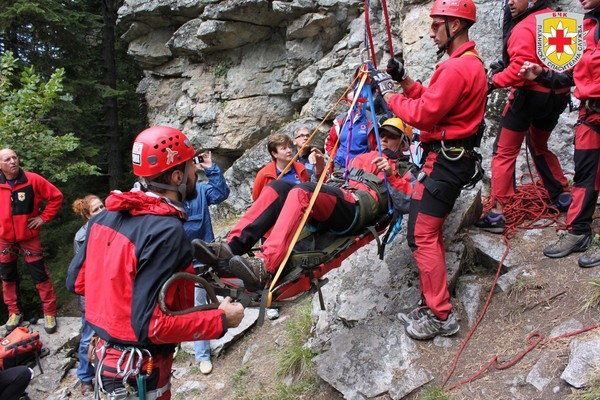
(20, 347)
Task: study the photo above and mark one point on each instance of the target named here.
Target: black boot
(215, 255)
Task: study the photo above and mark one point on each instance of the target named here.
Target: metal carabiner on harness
(443, 150)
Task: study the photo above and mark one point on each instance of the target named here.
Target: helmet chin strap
(443, 49)
(181, 188)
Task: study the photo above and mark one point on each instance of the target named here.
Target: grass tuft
(593, 299)
(435, 393)
(295, 358)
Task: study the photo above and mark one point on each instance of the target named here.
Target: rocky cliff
(229, 73)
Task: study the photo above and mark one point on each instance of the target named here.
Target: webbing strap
(308, 208)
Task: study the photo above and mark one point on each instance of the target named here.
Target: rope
(387, 27)
(529, 205)
(369, 35)
(308, 208)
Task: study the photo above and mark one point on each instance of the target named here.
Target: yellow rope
(311, 202)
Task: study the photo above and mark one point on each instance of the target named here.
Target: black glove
(496, 67)
(396, 70)
(384, 82)
(491, 86)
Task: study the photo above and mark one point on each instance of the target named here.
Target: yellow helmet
(398, 127)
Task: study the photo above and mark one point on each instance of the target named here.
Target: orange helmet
(464, 9)
(397, 127)
(159, 148)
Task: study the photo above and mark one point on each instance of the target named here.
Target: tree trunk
(115, 161)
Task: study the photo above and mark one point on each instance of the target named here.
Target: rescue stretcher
(303, 275)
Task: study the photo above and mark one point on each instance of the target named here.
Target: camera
(198, 159)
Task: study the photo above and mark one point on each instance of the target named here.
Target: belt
(467, 144)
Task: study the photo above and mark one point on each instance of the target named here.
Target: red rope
(387, 27)
(529, 205)
(370, 35)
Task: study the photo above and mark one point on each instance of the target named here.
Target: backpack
(20, 347)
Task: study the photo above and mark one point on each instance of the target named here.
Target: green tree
(25, 102)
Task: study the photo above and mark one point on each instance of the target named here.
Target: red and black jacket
(22, 202)
(129, 253)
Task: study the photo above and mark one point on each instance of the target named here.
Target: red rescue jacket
(22, 202)
(454, 102)
(587, 71)
(130, 251)
(269, 173)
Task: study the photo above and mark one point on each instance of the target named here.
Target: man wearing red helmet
(531, 112)
(449, 114)
(129, 253)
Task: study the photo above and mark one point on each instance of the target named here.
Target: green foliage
(592, 391)
(239, 384)
(295, 357)
(222, 68)
(435, 393)
(297, 390)
(24, 107)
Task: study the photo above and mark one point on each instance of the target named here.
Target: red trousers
(432, 200)
(34, 261)
(533, 115)
(281, 205)
(587, 175)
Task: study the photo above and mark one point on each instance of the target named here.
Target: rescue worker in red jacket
(130, 251)
(587, 141)
(280, 148)
(21, 194)
(343, 210)
(532, 111)
(449, 113)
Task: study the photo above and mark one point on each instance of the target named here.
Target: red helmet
(464, 9)
(159, 148)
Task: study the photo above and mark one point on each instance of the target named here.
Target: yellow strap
(311, 202)
(471, 53)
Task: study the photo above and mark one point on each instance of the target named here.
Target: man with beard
(130, 251)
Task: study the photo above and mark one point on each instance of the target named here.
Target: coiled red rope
(528, 208)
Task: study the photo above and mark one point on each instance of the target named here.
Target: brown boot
(251, 271)
(216, 255)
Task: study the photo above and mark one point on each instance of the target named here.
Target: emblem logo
(21, 196)
(136, 153)
(171, 154)
(559, 39)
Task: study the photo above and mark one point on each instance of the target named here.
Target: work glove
(491, 86)
(396, 70)
(383, 81)
(495, 67)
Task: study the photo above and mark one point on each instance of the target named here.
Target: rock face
(229, 73)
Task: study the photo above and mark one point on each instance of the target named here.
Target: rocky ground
(537, 294)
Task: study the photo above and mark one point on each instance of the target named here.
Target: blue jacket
(198, 224)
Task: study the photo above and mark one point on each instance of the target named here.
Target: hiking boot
(251, 271)
(562, 202)
(429, 326)
(414, 315)
(49, 323)
(491, 222)
(568, 243)
(14, 320)
(591, 258)
(216, 255)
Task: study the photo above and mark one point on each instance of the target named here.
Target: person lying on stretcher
(341, 208)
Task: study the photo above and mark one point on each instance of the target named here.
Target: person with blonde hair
(87, 207)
